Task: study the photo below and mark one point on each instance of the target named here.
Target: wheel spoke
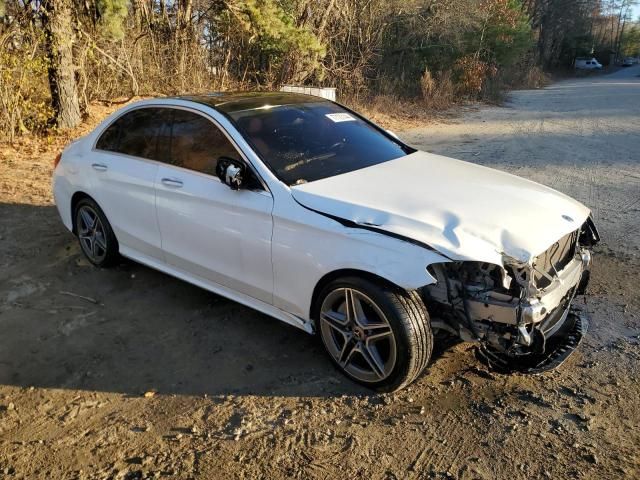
(335, 320)
(347, 352)
(377, 326)
(349, 306)
(86, 220)
(358, 312)
(380, 335)
(88, 243)
(94, 245)
(372, 357)
(99, 240)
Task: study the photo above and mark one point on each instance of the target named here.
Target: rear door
(124, 164)
(207, 229)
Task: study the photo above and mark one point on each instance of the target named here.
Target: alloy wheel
(358, 335)
(91, 234)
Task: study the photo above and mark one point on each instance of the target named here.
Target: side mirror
(230, 172)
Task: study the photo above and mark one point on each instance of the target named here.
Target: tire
(95, 235)
(382, 358)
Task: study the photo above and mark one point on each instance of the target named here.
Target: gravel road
(148, 377)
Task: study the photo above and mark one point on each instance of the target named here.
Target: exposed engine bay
(520, 314)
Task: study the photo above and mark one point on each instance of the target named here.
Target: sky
(636, 12)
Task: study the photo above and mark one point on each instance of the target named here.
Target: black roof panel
(230, 102)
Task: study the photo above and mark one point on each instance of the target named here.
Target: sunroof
(236, 101)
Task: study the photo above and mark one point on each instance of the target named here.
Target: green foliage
(436, 50)
(508, 35)
(112, 14)
(273, 43)
(273, 28)
(25, 103)
(464, 41)
(630, 43)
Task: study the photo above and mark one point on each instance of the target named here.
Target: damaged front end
(519, 313)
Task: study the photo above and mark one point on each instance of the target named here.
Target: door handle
(101, 167)
(172, 182)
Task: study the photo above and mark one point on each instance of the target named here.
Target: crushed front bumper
(555, 351)
(524, 329)
(549, 328)
(513, 311)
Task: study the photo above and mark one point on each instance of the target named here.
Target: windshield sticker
(340, 117)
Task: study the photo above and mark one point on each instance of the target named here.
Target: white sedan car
(304, 210)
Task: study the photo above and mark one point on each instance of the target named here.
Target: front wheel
(376, 335)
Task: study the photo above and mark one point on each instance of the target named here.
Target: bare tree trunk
(325, 18)
(619, 42)
(62, 81)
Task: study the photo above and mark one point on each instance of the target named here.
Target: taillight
(56, 161)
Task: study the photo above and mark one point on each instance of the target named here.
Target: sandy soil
(151, 377)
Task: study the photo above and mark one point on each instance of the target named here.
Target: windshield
(304, 142)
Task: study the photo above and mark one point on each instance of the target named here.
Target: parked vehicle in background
(628, 62)
(306, 211)
(587, 64)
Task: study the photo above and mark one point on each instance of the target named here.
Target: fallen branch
(88, 299)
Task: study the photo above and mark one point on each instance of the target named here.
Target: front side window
(197, 144)
(137, 133)
(304, 142)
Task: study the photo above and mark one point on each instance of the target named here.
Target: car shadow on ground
(131, 329)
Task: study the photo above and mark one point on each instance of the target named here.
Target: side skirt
(226, 292)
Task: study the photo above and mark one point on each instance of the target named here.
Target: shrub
(25, 102)
(471, 73)
(437, 93)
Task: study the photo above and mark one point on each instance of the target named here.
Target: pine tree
(57, 21)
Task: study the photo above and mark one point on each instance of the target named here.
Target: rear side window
(109, 139)
(139, 133)
(197, 144)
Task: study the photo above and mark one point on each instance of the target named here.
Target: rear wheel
(376, 335)
(97, 240)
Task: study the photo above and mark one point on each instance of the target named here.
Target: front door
(207, 229)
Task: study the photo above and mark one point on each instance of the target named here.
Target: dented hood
(463, 210)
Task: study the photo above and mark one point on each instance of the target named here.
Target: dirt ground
(150, 377)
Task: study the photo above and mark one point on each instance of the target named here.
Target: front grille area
(555, 258)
